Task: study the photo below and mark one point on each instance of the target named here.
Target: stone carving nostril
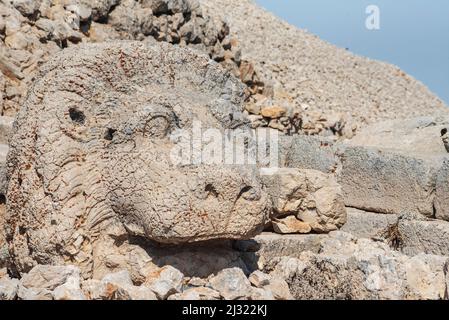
(211, 191)
(77, 116)
(109, 134)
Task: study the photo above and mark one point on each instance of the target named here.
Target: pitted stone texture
(92, 146)
(424, 236)
(267, 249)
(442, 192)
(313, 196)
(397, 167)
(350, 268)
(386, 181)
(231, 283)
(422, 137)
(364, 224)
(308, 152)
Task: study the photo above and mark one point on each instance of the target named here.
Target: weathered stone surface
(231, 283)
(259, 294)
(395, 166)
(49, 277)
(313, 196)
(4, 252)
(200, 293)
(289, 225)
(259, 279)
(26, 7)
(279, 289)
(70, 290)
(205, 259)
(306, 152)
(421, 137)
(165, 282)
(8, 288)
(426, 277)
(5, 129)
(116, 286)
(98, 290)
(265, 250)
(442, 192)
(120, 279)
(364, 224)
(90, 194)
(122, 285)
(387, 181)
(273, 112)
(424, 236)
(350, 268)
(3, 169)
(34, 294)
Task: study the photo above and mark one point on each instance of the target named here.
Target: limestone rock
(259, 279)
(260, 294)
(364, 224)
(424, 236)
(8, 288)
(200, 293)
(116, 286)
(124, 287)
(386, 181)
(314, 197)
(279, 289)
(267, 249)
(441, 193)
(204, 259)
(425, 276)
(273, 112)
(70, 290)
(350, 268)
(394, 166)
(289, 225)
(231, 283)
(26, 7)
(421, 136)
(98, 290)
(34, 293)
(49, 277)
(304, 152)
(165, 282)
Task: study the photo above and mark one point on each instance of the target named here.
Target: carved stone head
(91, 148)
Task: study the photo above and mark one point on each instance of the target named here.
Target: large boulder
(418, 235)
(384, 181)
(92, 149)
(392, 166)
(363, 224)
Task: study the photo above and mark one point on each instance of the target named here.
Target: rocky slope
(334, 87)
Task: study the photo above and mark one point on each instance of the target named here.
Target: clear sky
(413, 34)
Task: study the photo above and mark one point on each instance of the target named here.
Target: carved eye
(157, 127)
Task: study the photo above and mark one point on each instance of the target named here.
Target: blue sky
(414, 34)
